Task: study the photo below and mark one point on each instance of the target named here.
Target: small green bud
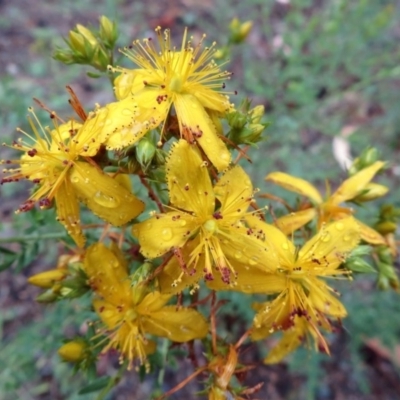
(145, 151)
(239, 30)
(367, 158)
(359, 265)
(77, 43)
(236, 119)
(256, 114)
(385, 227)
(87, 35)
(49, 296)
(108, 32)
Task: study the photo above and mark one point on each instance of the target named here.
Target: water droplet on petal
(238, 254)
(285, 246)
(326, 238)
(166, 234)
(105, 200)
(127, 112)
(347, 238)
(339, 226)
(182, 222)
(75, 179)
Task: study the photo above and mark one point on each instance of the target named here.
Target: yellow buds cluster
(245, 123)
(66, 281)
(367, 158)
(239, 30)
(88, 47)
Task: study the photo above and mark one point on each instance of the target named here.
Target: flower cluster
(207, 234)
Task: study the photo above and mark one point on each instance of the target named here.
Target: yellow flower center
(210, 226)
(176, 83)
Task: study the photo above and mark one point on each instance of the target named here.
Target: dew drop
(347, 238)
(166, 234)
(74, 179)
(285, 246)
(182, 222)
(238, 254)
(339, 226)
(326, 238)
(105, 200)
(127, 112)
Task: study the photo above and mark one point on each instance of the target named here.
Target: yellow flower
(204, 220)
(329, 209)
(55, 162)
(130, 313)
(297, 281)
(186, 78)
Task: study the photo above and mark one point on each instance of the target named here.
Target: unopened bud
(73, 351)
(108, 32)
(370, 192)
(257, 113)
(385, 227)
(360, 266)
(49, 296)
(47, 279)
(77, 43)
(239, 30)
(87, 34)
(145, 151)
(367, 158)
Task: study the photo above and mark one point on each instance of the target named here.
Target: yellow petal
(108, 313)
(47, 279)
(152, 302)
(193, 118)
(234, 191)
(251, 280)
(321, 299)
(177, 325)
(296, 185)
(370, 235)
(354, 185)
(291, 339)
(107, 276)
(188, 180)
(163, 232)
(68, 211)
(129, 82)
(104, 195)
(328, 249)
(210, 99)
(293, 221)
(128, 121)
(247, 249)
(278, 244)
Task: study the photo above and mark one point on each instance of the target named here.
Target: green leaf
(97, 385)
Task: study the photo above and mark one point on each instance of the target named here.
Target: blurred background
(326, 71)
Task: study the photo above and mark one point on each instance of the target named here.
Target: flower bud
(145, 151)
(73, 351)
(370, 192)
(77, 43)
(49, 296)
(256, 114)
(108, 32)
(359, 265)
(385, 227)
(239, 30)
(87, 35)
(367, 158)
(47, 279)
